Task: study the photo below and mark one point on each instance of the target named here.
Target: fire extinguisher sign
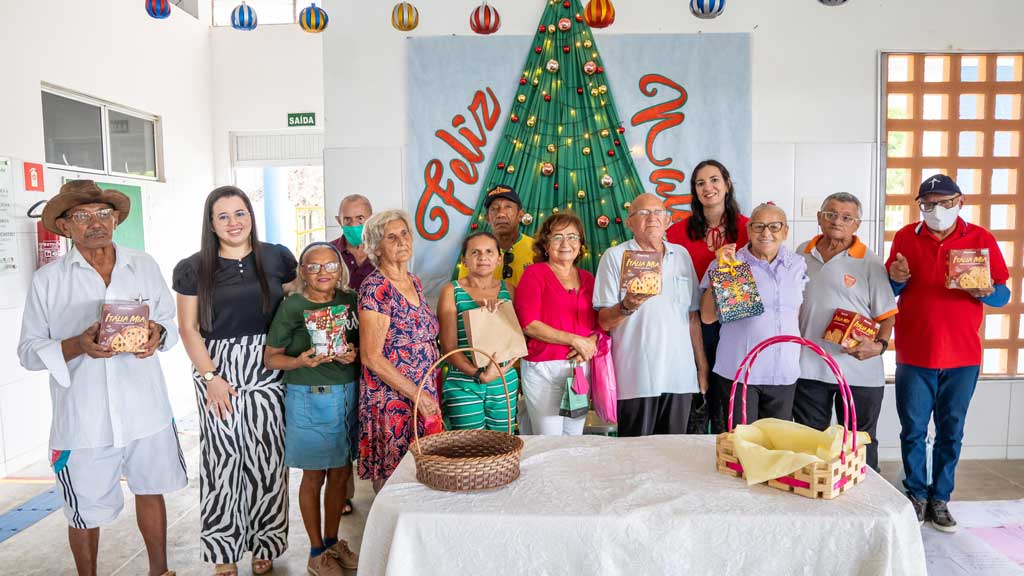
(8, 238)
(34, 177)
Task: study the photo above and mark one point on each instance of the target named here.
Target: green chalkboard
(129, 233)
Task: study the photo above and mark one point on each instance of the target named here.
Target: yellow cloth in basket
(771, 448)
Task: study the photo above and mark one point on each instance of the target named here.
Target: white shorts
(90, 478)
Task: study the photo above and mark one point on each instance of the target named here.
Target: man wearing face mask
(354, 210)
(938, 353)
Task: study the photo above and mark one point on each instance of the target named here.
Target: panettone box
(968, 269)
(641, 272)
(124, 326)
(846, 324)
(326, 327)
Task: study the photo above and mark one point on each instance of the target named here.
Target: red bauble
(484, 20)
(566, 4)
(579, 17)
(579, 90)
(538, 49)
(622, 130)
(618, 220)
(522, 81)
(501, 165)
(542, 29)
(565, 49)
(611, 152)
(617, 142)
(600, 70)
(547, 97)
(556, 185)
(514, 118)
(474, 226)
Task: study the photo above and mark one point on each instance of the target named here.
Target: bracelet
(884, 343)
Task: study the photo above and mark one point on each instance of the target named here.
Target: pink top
(541, 297)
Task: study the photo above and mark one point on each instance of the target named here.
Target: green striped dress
(469, 405)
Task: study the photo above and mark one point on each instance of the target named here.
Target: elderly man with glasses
(843, 273)
(938, 347)
(503, 213)
(111, 414)
(656, 340)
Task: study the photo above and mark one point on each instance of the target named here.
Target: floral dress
(386, 416)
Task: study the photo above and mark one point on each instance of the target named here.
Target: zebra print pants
(243, 479)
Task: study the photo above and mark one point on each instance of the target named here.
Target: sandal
(261, 566)
(230, 569)
(348, 509)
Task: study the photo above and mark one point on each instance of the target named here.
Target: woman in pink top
(554, 306)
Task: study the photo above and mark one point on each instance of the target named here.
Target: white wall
(815, 93)
(114, 51)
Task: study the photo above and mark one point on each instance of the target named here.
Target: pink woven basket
(820, 479)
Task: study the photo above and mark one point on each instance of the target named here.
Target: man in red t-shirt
(939, 349)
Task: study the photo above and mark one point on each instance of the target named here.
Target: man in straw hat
(111, 415)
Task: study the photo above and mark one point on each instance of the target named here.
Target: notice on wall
(8, 235)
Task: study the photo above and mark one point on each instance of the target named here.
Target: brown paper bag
(497, 333)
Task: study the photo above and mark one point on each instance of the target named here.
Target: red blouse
(541, 297)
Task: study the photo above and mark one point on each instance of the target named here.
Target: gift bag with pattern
(735, 291)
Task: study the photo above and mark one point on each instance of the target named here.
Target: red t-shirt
(540, 296)
(700, 254)
(937, 327)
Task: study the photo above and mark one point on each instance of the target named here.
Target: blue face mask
(353, 234)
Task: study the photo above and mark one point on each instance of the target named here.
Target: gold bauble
(626, 205)
(554, 210)
(581, 194)
(603, 89)
(531, 121)
(588, 44)
(521, 98)
(536, 81)
(551, 29)
(594, 92)
(510, 169)
(605, 133)
(551, 148)
(586, 150)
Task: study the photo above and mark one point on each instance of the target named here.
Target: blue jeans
(920, 394)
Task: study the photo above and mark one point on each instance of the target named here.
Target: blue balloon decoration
(243, 17)
(707, 8)
(159, 9)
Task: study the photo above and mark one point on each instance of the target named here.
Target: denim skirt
(320, 425)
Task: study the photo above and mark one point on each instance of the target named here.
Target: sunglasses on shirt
(506, 271)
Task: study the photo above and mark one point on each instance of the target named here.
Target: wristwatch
(209, 376)
(479, 372)
(163, 336)
(884, 343)
(625, 311)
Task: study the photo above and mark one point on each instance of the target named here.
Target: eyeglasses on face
(329, 267)
(773, 227)
(845, 219)
(84, 217)
(224, 217)
(644, 213)
(947, 204)
(570, 238)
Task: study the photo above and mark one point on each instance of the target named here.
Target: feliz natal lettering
(125, 319)
(665, 118)
(485, 115)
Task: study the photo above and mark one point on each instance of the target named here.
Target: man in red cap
(938, 349)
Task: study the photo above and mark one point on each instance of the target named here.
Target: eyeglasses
(506, 271)
(644, 213)
(224, 218)
(947, 204)
(834, 216)
(773, 227)
(330, 268)
(570, 238)
(83, 217)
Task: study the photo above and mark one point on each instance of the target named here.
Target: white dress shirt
(97, 402)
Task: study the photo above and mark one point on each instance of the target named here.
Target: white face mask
(940, 218)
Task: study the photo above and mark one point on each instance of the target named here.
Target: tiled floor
(42, 549)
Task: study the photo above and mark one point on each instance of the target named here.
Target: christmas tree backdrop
(563, 146)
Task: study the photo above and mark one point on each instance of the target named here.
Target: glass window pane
(1008, 69)
(1002, 216)
(901, 144)
(1007, 106)
(897, 217)
(968, 179)
(899, 68)
(1004, 181)
(997, 326)
(972, 106)
(73, 132)
(971, 213)
(1006, 247)
(900, 107)
(971, 68)
(1006, 144)
(132, 145)
(933, 144)
(897, 181)
(935, 106)
(994, 361)
(936, 68)
(971, 143)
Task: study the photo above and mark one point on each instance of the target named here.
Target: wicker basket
(818, 480)
(466, 460)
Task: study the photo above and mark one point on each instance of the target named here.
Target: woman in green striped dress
(474, 398)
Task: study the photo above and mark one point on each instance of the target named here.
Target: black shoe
(920, 508)
(940, 517)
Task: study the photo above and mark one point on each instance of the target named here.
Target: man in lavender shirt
(780, 276)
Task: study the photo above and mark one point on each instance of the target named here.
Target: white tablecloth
(635, 506)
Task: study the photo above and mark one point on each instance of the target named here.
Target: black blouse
(237, 305)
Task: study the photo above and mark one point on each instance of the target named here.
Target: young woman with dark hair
(227, 295)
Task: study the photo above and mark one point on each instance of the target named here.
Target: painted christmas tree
(563, 146)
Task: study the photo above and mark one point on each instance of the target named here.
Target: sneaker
(324, 565)
(941, 519)
(348, 559)
(920, 508)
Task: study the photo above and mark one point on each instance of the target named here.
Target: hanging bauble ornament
(551, 29)
(707, 8)
(605, 133)
(522, 81)
(626, 205)
(551, 148)
(611, 152)
(514, 118)
(554, 210)
(556, 186)
(603, 89)
(603, 221)
(618, 219)
(581, 194)
(564, 24)
(566, 48)
(579, 90)
(617, 142)
(588, 44)
(538, 49)
(474, 226)
(243, 17)
(589, 67)
(531, 121)
(551, 66)
(599, 13)
(158, 9)
(405, 17)
(547, 97)
(594, 92)
(600, 70)
(542, 29)
(510, 169)
(832, 2)
(607, 181)
(547, 168)
(566, 4)
(614, 242)
(579, 17)
(484, 19)
(527, 219)
(521, 98)
(501, 165)
(314, 19)
(536, 81)
(586, 150)
(621, 129)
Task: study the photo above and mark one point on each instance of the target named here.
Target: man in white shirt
(111, 414)
(656, 340)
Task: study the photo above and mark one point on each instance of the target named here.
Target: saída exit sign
(302, 119)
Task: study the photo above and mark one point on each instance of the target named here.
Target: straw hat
(78, 192)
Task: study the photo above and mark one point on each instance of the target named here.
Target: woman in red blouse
(715, 221)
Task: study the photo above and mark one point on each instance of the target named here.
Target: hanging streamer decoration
(313, 19)
(243, 17)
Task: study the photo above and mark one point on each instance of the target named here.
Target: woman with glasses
(474, 398)
(715, 221)
(320, 402)
(227, 295)
(780, 276)
(554, 305)
(398, 332)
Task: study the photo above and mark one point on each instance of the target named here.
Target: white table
(635, 506)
